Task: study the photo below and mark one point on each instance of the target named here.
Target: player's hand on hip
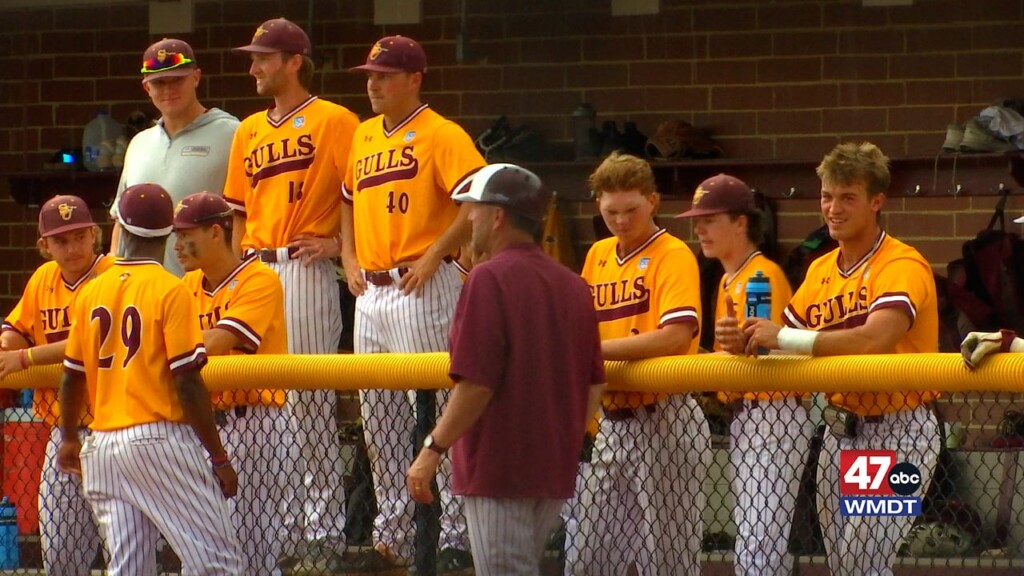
(421, 474)
(727, 330)
(313, 248)
(227, 478)
(419, 273)
(69, 457)
(977, 345)
(761, 333)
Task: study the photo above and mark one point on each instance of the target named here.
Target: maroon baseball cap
(202, 209)
(279, 35)
(395, 54)
(62, 214)
(722, 193)
(146, 210)
(168, 57)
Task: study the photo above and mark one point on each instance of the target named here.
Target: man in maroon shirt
(526, 362)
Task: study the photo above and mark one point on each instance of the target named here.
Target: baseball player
(35, 332)
(770, 431)
(400, 229)
(650, 454)
(872, 295)
(134, 347)
(188, 148)
(516, 416)
(283, 181)
(241, 311)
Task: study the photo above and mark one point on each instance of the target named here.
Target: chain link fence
(688, 482)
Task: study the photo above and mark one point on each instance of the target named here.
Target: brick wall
(781, 79)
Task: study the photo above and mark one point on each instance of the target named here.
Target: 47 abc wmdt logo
(873, 483)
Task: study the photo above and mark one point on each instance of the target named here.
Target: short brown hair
(306, 72)
(623, 172)
(850, 163)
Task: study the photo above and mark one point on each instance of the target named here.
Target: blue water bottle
(8, 535)
(759, 299)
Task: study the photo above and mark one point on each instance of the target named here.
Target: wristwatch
(429, 444)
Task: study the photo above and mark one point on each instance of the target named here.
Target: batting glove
(977, 345)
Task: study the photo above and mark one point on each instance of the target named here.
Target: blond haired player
(135, 350)
(241, 311)
(284, 182)
(770, 431)
(400, 230)
(35, 332)
(872, 295)
(650, 454)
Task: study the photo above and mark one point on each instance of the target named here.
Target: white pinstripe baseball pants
(644, 500)
(312, 307)
(155, 479)
(387, 321)
(861, 545)
(67, 529)
(767, 453)
(261, 445)
(508, 534)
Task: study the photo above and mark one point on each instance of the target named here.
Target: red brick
(25, 43)
(790, 97)
(997, 36)
(851, 120)
(550, 50)
(341, 83)
(731, 123)
(925, 144)
(39, 115)
(804, 147)
(604, 50)
(803, 43)
(855, 68)
(747, 147)
(77, 114)
(680, 98)
(1001, 10)
(68, 90)
(491, 104)
(96, 17)
(933, 39)
(597, 75)
(739, 45)
(470, 79)
(937, 92)
(869, 94)
(788, 17)
(884, 41)
(795, 226)
(533, 77)
(917, 224)
(989, 64)
(674, 47)
(936, 12)
(711, 19)
(725, 72)
(493, 52)
(939, 251)
(909, 119)
(922, 66)
(562, 103)
(40, 20)
(66, 41)
(789, 122)
(538, 26)
(853, 15)
(740, 97)
(789, 70)
(84, 66)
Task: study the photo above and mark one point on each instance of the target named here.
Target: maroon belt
(620, 414)
(269, 255)
(384, 278)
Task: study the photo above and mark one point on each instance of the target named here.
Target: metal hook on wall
(789, 193)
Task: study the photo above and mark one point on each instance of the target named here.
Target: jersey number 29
(130, 329)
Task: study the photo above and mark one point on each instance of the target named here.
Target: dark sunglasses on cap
(169, 61)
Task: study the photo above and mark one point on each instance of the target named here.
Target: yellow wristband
(28, 354)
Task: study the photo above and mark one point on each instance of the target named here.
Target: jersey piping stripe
(286, 117)
(793, 320)
(899, 300)
(74, 366)
(874, 249)
(85, 277)
(237, 206)
(282, 168)
(193, 360)
(248, 259)
(390, 133)
(346, 195)
(242, 330)
(726, 280)
(677, 315)
(639, 248)
(136, 262)
(8, 327)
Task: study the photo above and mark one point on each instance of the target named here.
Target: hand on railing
(977, 345)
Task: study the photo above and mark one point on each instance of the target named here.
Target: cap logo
(376, 51)
(179, 207)
(259, 32)
(66, 211)
(161, 55)
(698, 195)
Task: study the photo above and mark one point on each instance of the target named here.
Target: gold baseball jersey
(285, 176)
(890, 275)
(43, 316)
(132, 330)
(249, 303)
(653, 286)
(400, 182)
(736, 286)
